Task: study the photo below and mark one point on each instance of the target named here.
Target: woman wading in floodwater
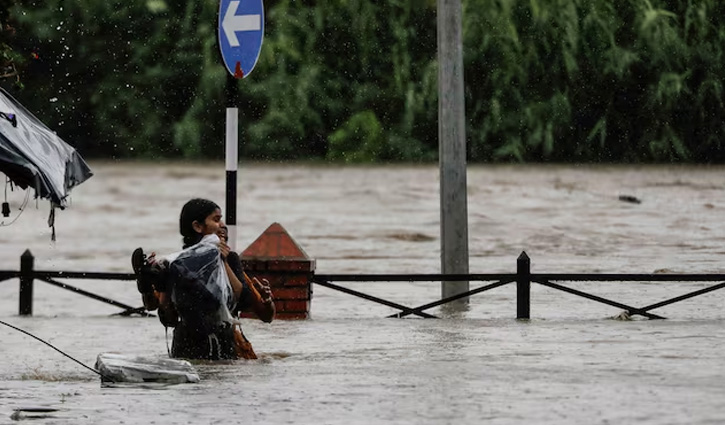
(196, 289)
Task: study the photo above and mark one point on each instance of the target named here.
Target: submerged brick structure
(275, 256)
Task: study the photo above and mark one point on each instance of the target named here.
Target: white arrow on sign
(233, 23)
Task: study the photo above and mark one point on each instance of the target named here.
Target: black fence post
(26, 283)
(523, 286)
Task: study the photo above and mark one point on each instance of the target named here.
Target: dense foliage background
(355, 80)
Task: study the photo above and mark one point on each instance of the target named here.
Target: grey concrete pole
(452, 148)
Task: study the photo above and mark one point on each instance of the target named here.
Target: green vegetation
(355, 80)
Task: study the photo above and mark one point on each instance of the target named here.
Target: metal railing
(28, 275)
(523, 279)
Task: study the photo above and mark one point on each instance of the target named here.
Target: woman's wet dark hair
(197, 209)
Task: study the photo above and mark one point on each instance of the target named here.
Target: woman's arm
(237, 287)
(258, 296)
(234, 280)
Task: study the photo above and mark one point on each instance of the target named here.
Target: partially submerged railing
(523, 279)
(28, 275)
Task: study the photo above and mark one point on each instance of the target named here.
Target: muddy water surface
(570, 364)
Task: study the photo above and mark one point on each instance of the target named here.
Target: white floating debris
(118, 368)
(624, 316)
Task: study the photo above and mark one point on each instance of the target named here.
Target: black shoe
(138, 260)
(141, 267)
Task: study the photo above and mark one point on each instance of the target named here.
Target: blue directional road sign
(241, 30)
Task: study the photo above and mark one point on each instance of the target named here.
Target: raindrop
(54, 99)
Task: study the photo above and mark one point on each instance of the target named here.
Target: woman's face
(211, 224)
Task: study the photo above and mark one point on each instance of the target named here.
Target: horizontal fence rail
(572, 277)
(84, 275)
(6, 275)
(523, 279)
(27, 276)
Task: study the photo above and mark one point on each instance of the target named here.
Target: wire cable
(56, 349)
(22, 208)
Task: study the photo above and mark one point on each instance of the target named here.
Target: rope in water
(56, 349)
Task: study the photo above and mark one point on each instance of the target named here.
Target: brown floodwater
(571, 364)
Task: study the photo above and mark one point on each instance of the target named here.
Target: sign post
(240, 35)
(452, 148)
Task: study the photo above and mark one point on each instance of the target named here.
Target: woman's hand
(263, 288)
(224, 249)
(264, 306)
